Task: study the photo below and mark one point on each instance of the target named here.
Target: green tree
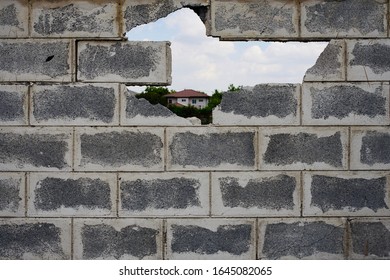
(155, 95)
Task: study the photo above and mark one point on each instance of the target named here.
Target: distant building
(188, 97)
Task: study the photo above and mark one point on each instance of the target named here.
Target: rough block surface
(13, 18)
(12, 190)
(13, 104)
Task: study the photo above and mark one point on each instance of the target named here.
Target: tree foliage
(155, 95)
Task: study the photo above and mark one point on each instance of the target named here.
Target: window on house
(170, 101)
(193, 101)
(200, 100)
(183, 100)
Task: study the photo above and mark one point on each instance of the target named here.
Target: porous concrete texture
(265, 104)
(346, 193)
(211, 239)
(301, 239)
(12, 199)
(13, 104)
(346, 104)
(164, 194)
(125, 239)
(13, 18)
(257, 194)
(133, 63)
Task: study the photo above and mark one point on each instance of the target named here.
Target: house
(188, 97)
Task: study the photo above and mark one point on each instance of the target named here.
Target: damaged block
(118, 149)
(35, 239)
(133, 63)
(13, 104)
(370, 239)
(75, 104)
(72, 194)
(370, 148)
(12, 190)
(346, 194)
(330, 64)
(33, 149)
(211, 239)
(35, 60)
(136, 111)
(164, 194)
(345, 104)
(68, 18)
(303, 148)
(123, 239)
(294, 239)
(253, 19)
(255, 194)
(347, 18)
(368, 60)
(265, 104)
(211, 149)
(13, 18)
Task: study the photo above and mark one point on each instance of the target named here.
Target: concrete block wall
(289, 171)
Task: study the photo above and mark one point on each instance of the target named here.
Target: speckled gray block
(133, 63)
(35, 60)
(13, 18)
(301, 239)
(12, 190)
(13, 104)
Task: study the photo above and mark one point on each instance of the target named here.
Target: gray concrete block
(164, 194)
(330, 65)
(346, 194)
(211, 149)
(256, 194)
(35, 239)
(118, 149)
(211, 239)
(135, 63)
(370, 239)
(72, 194)
(117, 239)
(264, 104)
(75, 104)
(35, 60)
(346, 104)
(335, 19)
(33, 149)
(368, 60)
(301, 239)
(13, 104)
(68, 18)
(305, 148)
(236, 20)
(370, 148)
(12, 198)
(13, 18)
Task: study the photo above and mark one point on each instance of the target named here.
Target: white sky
(205, 64)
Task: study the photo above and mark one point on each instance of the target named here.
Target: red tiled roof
(187, 93)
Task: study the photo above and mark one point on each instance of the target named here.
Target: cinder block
(141, 112)
(211, 239)
(330, 65)
(13, 104)
(370, 239)
(368, 60)
(35, 149)
(118, 149)
(370, 148)
(164, 194)
(35, 239)
(75, 104)
(135, 63)
(202, 148)
(347, 18)
(68, 18)
(255, 194)
(346, 194)
(72, 194)
(13, 18)
(35, 60)
(232, 19)
(12, 190)
(117, 239)
(301, 239)
(345, 104)
(264, 104)
(305, 148)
